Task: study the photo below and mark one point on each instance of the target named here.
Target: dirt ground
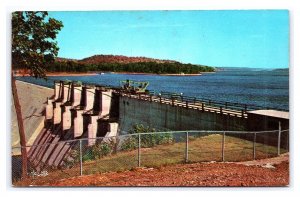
(267, 172)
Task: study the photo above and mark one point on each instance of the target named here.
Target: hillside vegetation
(110, 63)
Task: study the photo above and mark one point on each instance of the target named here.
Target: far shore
(136, 73)
(52, 74)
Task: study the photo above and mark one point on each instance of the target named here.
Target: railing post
(80, 155)
(139, 151)
(160, 99)
(202, 105)
(226, 104)
(254, 146)
(186, 104)
(221, 110)
(172, 101)
(279, 136)
(243, 115)
(223, 147)
(187, 147)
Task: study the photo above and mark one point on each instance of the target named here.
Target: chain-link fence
(50, 162)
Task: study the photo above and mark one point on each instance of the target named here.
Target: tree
(33, 47)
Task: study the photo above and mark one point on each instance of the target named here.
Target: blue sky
(240, 38)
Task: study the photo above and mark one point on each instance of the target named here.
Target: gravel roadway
(267, 172)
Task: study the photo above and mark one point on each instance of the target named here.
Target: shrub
(129, 143)
(150, 140)
(101, 150)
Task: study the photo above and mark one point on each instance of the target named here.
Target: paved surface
(272, 113)
(33, 100)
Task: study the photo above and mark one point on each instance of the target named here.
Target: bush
(130, 143)
(149, 140)
(101, 150)
(72, 159)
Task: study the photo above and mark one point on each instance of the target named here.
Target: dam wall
(166, 116)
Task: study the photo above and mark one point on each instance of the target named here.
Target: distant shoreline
(61, 74)
(53, 74)
(135, 73)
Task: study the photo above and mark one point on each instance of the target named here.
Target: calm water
(268, 88)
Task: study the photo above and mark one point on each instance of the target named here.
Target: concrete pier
(105, 102)
(66, 91)
(78, 123)
(57, 90)
(89, 92)
(57, 113)
(66, 116)
(76, 93)
(92, 130)
(49, 109)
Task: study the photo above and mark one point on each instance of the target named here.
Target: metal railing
(193, 103)
(70, 158)
(224, 104)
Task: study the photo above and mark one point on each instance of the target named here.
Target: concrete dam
(77, 111)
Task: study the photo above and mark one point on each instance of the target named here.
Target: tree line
(140, 67)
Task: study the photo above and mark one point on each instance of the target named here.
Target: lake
(266, 88)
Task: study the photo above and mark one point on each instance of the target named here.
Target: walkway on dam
(32, 100)
(190, 105)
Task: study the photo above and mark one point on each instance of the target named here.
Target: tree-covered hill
(110, 63)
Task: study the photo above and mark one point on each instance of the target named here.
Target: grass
(206, 148)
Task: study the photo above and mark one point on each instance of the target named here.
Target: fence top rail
(151, 133)
(202, 131)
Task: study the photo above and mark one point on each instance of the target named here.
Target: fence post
(223, 147)
(254, 146)
(279, 136)
(221, 110)
(172, 101)
(80, 154)
(187, 147)
(202, 105)
(186, 104)
(287, 140)
(139, 151)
